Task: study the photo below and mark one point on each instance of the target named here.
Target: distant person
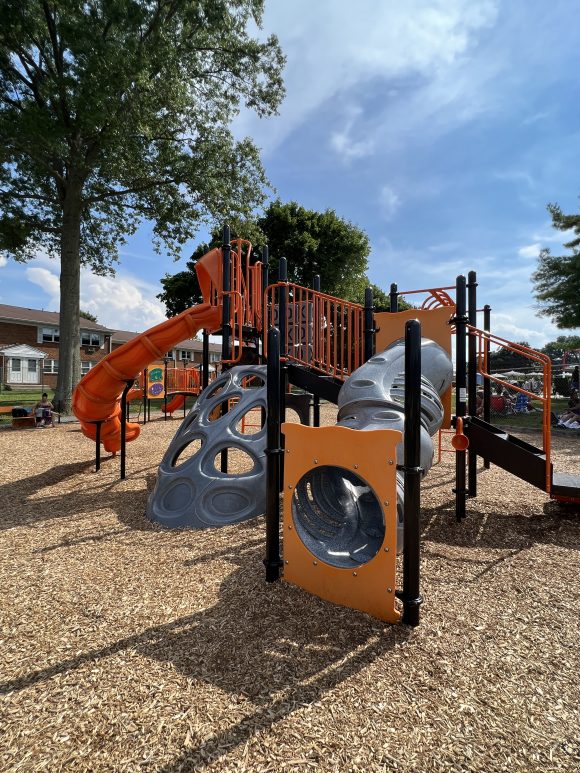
(43, 411)
(575, 383)
(571, 419)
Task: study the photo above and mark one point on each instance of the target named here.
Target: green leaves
(318, 243)
(557, 278)
(125, 105)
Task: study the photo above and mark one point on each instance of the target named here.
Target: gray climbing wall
(336, 513)
(191, 492)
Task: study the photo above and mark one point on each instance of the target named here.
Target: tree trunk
(69, 367)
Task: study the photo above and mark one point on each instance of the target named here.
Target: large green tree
(115, 111)
(556, 349)
(505, 359)
(557, 278)
(313, 242)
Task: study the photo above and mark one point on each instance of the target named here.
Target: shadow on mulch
(29, 501)
(556, 526)
(271, 644)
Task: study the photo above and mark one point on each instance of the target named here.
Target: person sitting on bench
(43, 411)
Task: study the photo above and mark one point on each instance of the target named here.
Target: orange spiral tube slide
(97, 395)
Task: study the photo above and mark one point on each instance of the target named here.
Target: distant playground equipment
(351, 493)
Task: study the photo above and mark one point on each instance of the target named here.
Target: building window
(86, 365)
(214, 356)
(32, 366)
(90, 339)
(185, 354)
(50, 335)
(51, 366)
(15, 365)
(169, 356)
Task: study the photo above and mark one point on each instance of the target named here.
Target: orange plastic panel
(371, 455)
(434, 325)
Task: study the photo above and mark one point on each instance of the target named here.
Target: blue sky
(440, 127)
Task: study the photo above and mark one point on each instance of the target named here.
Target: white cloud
(3, 261)
(48, 282)
(342, 141)
(552, 236)
(121, 302)
(532, 119)
(422, 40)
(516, 176)
(389, 201)
(530, 250)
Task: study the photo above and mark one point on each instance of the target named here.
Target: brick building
(189, 351)
(29, 346)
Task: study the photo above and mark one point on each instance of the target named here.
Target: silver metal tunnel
(339, 518)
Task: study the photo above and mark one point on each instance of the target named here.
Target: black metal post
(226, 287)
(369, 331)
(128, 386)
(394, 298)
(460, 392)
(283, 328)
(265, 310)
(226, 327)
(316, 398)
(273, 457)
(486, 381)
(472, 378)
(411, 596)
(98, 446)
(165, 389)
(205, 359)
(144, 374)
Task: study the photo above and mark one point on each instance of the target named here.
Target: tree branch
(133, 189)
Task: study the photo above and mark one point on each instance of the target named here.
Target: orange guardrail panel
(434, 325)
(368, 587)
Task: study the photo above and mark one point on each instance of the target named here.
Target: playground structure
(346, 488)
(160, 382)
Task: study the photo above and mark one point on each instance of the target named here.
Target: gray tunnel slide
(337, 516)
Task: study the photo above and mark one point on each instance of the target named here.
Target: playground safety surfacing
(127, 648)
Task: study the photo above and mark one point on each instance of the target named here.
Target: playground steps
(507, 451)
(325, 387)
(565, 485)
(518, 457)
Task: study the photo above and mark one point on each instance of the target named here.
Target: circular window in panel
(338, 517)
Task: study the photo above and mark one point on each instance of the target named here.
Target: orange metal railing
(246, 293)
(437, 296)
(323, 332)
(183, 380)
(484, 339)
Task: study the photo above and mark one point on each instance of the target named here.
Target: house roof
(39, 316)
(23, 315)
(122, 336)
(23, 350)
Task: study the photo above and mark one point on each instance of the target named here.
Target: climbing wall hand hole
(239, 462)
(187, 452)
(222, 408)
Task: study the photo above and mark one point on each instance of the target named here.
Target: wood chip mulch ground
(127, 648)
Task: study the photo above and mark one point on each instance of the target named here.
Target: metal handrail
(437, 296)
(323, 332)
(484, 337)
